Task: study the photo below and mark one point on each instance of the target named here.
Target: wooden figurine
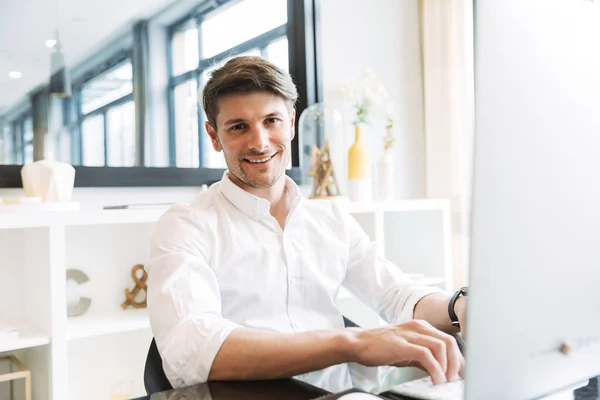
(140, 284)
(325, 182)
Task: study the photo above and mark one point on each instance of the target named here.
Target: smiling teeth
(262, 160)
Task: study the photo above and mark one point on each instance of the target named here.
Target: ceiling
(84, 25)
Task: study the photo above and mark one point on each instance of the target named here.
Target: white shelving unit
(28, 337)
(102, 352)
(86, 326)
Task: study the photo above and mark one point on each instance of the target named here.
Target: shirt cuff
(191, 348)
(417, 293)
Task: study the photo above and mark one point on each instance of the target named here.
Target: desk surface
(288, 389)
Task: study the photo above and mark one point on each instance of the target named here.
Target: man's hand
(415, 343)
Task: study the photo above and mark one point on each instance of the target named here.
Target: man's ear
(213, 136)
(293, 123)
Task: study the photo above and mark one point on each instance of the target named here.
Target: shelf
(86, 326)
(28, 337)
(40, 219)
(35, 219)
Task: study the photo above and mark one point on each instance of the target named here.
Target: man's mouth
(261, 160)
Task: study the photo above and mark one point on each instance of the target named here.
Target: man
(243, 281)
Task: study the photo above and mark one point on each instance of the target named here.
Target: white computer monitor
(535, 256)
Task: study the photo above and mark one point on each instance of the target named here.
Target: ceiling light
(50, 43)
(14, 74)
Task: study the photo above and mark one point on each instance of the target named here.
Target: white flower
(369, 74)
(347, 92)
(381, 92)
(371, 97)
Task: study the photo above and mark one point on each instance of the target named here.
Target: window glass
(185, 50)
(121, 135)
(231, 25)
(186, 124)
(28, 139)
(92, 141)
(277, 53)
(107, 87)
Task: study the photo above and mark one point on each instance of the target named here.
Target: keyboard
(423, 389)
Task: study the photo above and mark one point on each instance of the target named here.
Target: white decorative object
(385, 167)
(77, 305)
(8, 332)
(48, 179)
(360, 190)
(385, 171)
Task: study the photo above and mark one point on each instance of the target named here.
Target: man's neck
(276, 195)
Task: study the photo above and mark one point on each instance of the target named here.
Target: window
(108, 118)
(200, 44)
(16, 140)
(27, 139)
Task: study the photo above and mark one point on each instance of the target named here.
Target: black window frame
(304, 65)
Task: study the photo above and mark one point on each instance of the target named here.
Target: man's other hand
(415, 343)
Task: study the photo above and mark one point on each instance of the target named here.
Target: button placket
(294, 296)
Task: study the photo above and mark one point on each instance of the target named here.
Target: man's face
(254, 131)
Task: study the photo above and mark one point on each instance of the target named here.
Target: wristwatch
(453, 318)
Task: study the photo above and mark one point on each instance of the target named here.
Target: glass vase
(320, 124)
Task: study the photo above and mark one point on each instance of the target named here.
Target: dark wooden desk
(284, 389)
(289, 389)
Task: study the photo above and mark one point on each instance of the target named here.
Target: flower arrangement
(365, 98)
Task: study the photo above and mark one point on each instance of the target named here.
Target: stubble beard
(262, 182)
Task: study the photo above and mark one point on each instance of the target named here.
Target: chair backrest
(155, 379)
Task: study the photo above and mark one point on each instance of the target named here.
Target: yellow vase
(359, 169)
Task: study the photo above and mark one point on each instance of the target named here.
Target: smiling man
(243, 281)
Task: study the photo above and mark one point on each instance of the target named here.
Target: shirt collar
(252, 205)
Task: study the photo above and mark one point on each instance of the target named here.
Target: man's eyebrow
(273, 114)
(234, 121)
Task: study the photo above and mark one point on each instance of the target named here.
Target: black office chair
(155, 379)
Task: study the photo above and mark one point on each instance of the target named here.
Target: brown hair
(246, 74)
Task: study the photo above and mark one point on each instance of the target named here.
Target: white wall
(382, 35)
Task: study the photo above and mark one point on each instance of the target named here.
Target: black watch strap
(453, 318)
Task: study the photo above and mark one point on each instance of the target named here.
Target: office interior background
(132, 128)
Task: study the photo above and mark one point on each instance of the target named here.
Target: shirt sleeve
(377, 282)
(184, 302)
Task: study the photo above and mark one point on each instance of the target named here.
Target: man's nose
(259, 138)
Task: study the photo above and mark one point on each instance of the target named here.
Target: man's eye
(237, 127)
(271, 120)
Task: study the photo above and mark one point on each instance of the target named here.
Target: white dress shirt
(223, 261)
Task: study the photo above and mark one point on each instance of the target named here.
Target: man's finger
(454, 356)
(424, 356)
(435, 345)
